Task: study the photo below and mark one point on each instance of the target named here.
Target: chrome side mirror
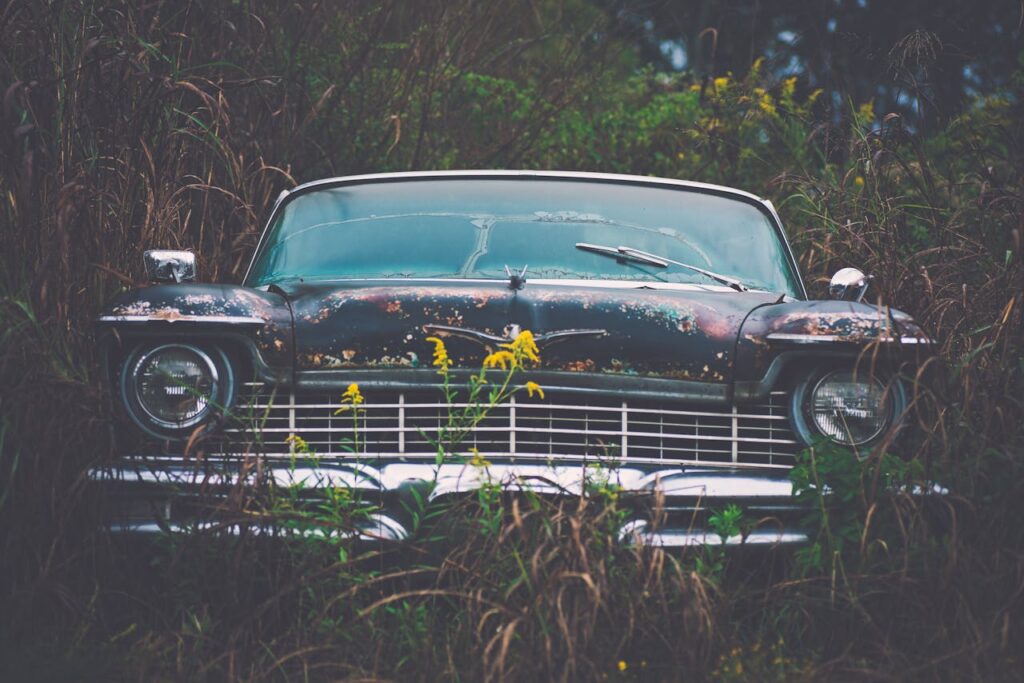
(170, 266)
(848, 284)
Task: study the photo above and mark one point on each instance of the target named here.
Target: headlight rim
(804, 424)
(220, 397)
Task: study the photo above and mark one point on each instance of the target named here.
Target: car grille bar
(563, 426)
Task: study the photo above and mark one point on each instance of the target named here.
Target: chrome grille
(563, 426)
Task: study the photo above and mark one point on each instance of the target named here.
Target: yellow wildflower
(789, 87)
(350, 399)
(523, 346)
(622, 665)
(695, 87)
(534, 388)
(478, 460)
(441, 359)
(766, 104)
(299, 443)
(721, 83)
(866, 112)
(858, 182)
(501, 359)
(352, 395)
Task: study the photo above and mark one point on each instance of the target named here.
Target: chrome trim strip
(539, 406)
(624, 432)
(173, 318)
(674, 538)
(820, 338)
(707, 481)
(833, 338)
(511, 425)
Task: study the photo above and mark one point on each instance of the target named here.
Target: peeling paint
(687, 335)
(839, 325)
(192, 302)
(651, 333)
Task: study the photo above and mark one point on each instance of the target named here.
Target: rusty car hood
(674, 333)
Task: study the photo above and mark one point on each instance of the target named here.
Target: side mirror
(170, 266)
(848, 284)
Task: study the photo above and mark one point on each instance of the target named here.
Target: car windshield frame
(796, 289)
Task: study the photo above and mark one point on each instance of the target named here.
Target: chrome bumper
(669, 506)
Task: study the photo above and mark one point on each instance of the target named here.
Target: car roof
(567, 175)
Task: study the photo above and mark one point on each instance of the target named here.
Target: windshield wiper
(631, 254)
(622, 254)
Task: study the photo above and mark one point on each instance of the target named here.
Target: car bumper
(667, 506)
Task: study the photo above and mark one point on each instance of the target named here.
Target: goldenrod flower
(866, 112)
(766, 104)
(789, 87)
(352, 394)
(299, 443)
(350, 399)
(477, 459)
(523, 346)
(502, 359)
(441, 359)
(533, 387)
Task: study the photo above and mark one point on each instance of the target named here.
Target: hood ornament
(516, 281)
(510, 333)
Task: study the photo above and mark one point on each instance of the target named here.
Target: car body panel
(687, 335)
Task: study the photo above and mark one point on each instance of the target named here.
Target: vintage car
(679, 354)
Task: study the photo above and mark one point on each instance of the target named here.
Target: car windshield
(475, 227)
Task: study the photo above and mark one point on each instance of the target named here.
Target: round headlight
(175, 384)
(171, 388)
(849, 410)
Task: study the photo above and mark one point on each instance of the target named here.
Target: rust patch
(586, 365)
(167, 314)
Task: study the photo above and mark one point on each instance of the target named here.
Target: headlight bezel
(894, 397)
(217, 364)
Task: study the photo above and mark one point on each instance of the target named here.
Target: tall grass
(128, 125)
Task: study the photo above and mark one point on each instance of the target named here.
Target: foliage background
(888, 134)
